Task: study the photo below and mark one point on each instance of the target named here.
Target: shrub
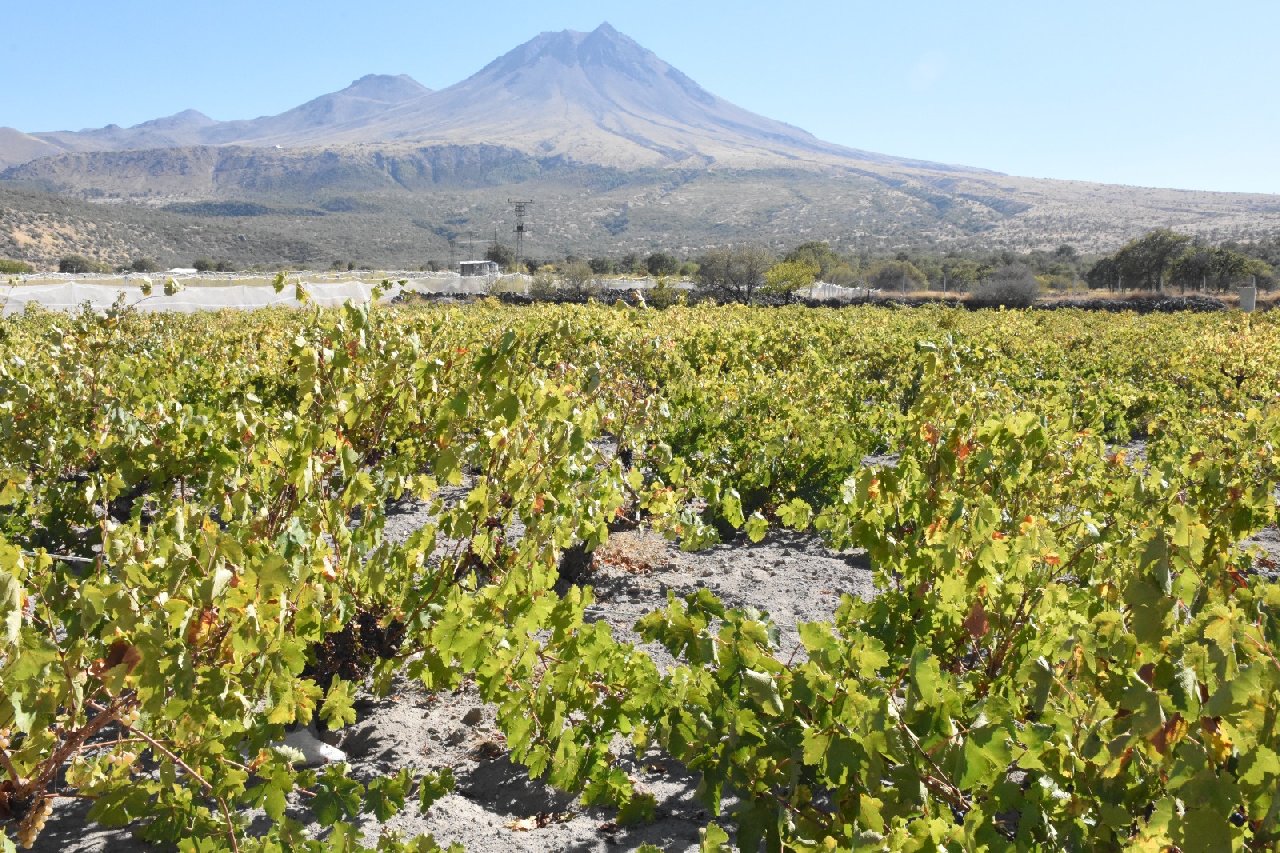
(579, 280)
(661, 263)
(78, 264)
(207, 265)
(543, 286)
(8, 267)
(663, 295)
(897, 275)
(1012, 286)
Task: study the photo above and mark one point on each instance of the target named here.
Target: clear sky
(1166, 93)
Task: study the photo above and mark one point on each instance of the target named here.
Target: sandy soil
(495, 806)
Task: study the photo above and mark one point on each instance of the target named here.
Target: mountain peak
(607, 31)
(390, 88)
(184, 119)
(597, 97)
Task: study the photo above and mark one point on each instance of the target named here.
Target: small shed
(469, 268)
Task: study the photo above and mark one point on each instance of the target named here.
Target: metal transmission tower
(521, 207)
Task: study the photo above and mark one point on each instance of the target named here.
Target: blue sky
(1172, 94)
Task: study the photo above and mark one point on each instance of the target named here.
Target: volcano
(622, 150)
(597, 98)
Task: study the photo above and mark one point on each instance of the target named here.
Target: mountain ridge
(619, 147)
(597, 97)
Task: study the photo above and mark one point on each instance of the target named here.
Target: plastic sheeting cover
(67, 293)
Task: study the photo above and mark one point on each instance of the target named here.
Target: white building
(482, 268)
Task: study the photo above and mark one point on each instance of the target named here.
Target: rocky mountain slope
(312, 122)
(597, 98)
(620, 150)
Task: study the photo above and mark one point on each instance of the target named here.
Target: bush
(8, 267)
(897, 275)
(543, 286)
(663, 295)
(206, 265)
(144, 265)
(661, 263)
(503, 256)
(579, 280)
(80, 264)
(1012, 286)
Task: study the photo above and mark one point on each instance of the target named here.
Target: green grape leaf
(763, 690)
(339, 704)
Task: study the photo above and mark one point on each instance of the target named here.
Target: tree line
(1160, 259)
(1166, 259)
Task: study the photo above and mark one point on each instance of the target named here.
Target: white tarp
(213, 293)
(69, 296)
(822, 290)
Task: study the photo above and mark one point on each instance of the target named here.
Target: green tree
(961, 273)
(630, 263)
(8, 267)
(735, 273)
(578, 278)
(832, 267)
(789, 277)
(144, 265)
(1193, 268)
(1104, 274)
(661, 263)
(1010, 285)
(1144, 263)
(1228, 267)
(897, 275)
(503, 256)
(77, 264)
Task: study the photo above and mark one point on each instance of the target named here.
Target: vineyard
(1071, 644)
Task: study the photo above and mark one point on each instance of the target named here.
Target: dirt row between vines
(496, 807)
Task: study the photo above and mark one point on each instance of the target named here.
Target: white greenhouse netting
(214, 293)
(822, 290)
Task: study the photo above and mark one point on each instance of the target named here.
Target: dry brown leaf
(976, 622)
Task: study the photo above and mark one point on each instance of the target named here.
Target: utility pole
(520, 207)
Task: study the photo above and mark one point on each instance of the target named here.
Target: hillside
(620, 150)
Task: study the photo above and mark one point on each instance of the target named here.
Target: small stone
(315, 752)
(489, 750)
(473, 717)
